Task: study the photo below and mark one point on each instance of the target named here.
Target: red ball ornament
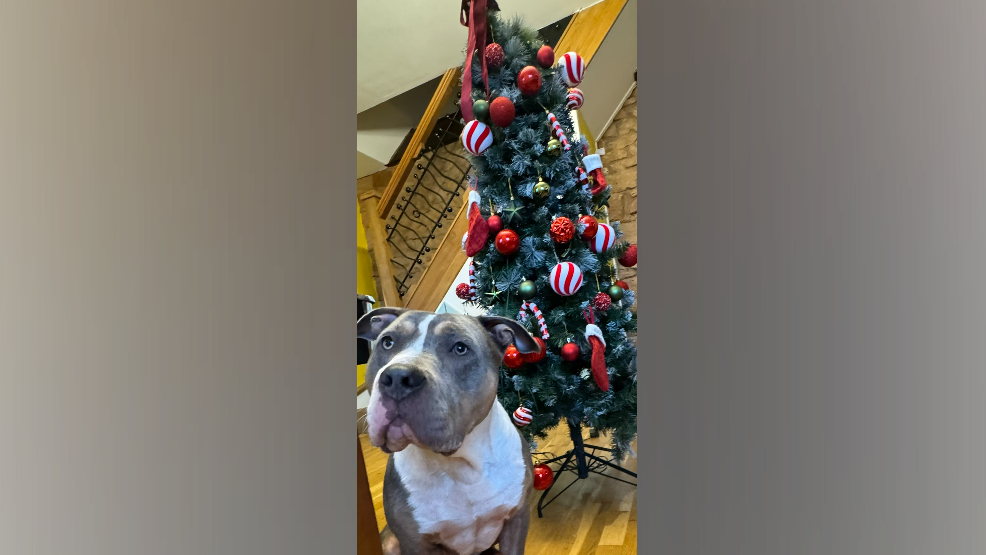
(589, 227)
(502, 111)
(562, 230)
(494, 223)
(629, 258)
(570, 352)
(623, 285)
(507, 242)
(462, 291)
(522, 417)
(494, 55)
(532, 358)
(543, 477)
(601, 302)
(512, 358)
(529, 81)
(546, 56)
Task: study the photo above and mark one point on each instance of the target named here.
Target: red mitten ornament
(594, 165)
(594, 336)
(479, 230)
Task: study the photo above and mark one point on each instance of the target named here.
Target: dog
(459, 473)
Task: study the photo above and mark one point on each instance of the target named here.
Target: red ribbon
(477, 40)
(590, 317)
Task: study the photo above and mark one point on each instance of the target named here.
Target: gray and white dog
(459, 474)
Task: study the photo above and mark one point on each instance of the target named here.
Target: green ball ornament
(541, 190)
(615, 292)
(527, 290)
(481, 109)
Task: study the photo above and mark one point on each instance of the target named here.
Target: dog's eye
(460, 348)
(387, 342)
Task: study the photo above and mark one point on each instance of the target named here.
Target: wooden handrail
(443, 94)
(584, 34)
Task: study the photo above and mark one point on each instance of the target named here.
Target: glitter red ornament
(462, 291)
(532, 358)
(601, 302)
(546, 56)
(494, 55)
(629, 258)
(570, 352)
(502, 111)
(494, 223)
(562, 230)
(507, 242)
(529, 81)
(543, 477)
(589, 227)
(512, 358)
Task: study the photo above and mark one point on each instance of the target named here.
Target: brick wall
(620, 165)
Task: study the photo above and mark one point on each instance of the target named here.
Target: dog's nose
(397, 382)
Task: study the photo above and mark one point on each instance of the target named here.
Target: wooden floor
(596, 516)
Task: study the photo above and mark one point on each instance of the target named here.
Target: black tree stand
(581, 460)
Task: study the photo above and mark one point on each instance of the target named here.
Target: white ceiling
(401, 45)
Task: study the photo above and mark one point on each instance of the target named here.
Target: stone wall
(620, 165)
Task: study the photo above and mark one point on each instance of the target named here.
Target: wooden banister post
(377, 237)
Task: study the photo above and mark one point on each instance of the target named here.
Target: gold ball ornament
(541, 190)
(554, 147)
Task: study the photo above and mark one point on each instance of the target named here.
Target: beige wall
(620, 165)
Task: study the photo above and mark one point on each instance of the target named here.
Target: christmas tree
(541, 241)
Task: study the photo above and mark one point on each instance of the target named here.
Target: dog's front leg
(513, 537)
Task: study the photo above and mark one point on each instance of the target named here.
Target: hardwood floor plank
(588, 519)
(585, 525)
(615, 532)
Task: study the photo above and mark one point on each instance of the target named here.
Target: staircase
(416, 224)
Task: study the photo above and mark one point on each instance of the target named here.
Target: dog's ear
(372, 323)
(508, 332)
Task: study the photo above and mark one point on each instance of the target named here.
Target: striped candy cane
(582, 178)
(556, 127)
(472, 280)
(522, 316)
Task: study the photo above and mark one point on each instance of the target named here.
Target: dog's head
(433, 377)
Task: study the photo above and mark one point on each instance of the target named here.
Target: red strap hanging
(477, 40)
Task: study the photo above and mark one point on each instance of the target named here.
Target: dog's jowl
(459, 474)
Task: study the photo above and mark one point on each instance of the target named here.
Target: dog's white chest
(463, 505)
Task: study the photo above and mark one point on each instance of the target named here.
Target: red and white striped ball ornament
(565, 278)
(522, 416)
(575, 99)
(603, 240)
(476, 137)
(572, 68)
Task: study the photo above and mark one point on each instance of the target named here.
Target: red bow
(477, 40)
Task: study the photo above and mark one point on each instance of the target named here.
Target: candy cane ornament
(522, 317)
(472, 280)
(556, 127)
(582, 178)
